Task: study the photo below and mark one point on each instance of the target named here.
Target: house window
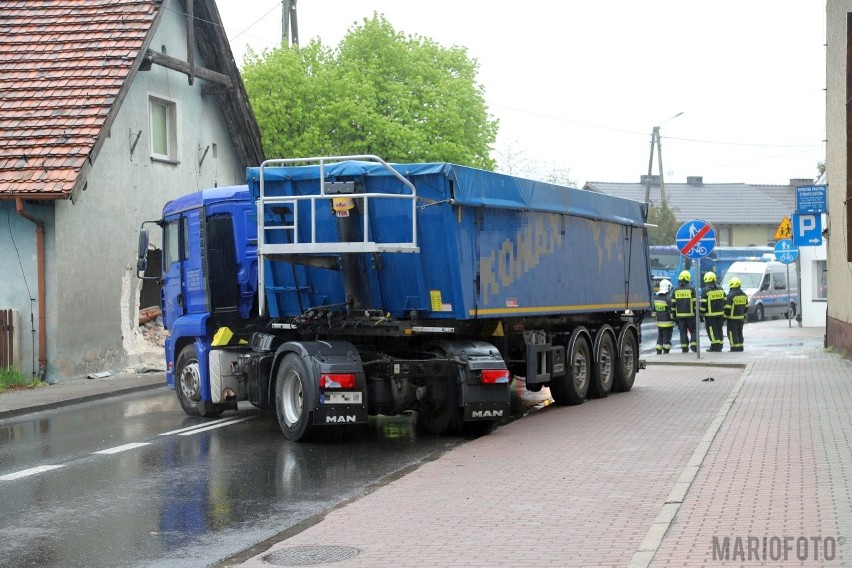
(820, 280)
(163, 129)
(723, 235)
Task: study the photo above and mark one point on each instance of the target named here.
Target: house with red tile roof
(108, 109)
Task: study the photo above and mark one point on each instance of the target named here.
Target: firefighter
(712, 309)
(663, 313)
(684, 303)
(736, 308)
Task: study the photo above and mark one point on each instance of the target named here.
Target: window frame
(171, 122)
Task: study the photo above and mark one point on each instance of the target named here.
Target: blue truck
(331, 289)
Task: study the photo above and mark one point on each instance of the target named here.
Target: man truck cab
(769, 292)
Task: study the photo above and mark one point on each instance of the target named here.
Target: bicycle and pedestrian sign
(695, 239)
(785, 251)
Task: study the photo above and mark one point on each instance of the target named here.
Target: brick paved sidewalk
(577, 486)
(780, 466)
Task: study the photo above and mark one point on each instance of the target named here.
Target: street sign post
(696, 239)
(811, 199)
(787, 253)
(807, 229)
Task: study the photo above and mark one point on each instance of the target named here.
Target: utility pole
(289, 24)
(655, 142)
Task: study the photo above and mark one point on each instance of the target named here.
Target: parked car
(769, 292)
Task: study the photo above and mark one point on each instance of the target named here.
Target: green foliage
(405, 99)
(667, 225)
(12, 378)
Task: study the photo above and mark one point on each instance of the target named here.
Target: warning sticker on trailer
(340, 398)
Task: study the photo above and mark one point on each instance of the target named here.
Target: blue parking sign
(807, 230)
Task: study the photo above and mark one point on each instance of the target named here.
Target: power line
(645, 134)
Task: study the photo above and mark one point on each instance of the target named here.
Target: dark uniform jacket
(736, 304)
(712, 301)
(683, 301)
(663, 310)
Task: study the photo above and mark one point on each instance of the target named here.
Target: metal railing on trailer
(296, 246)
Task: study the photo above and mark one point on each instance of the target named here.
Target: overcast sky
(579, 84)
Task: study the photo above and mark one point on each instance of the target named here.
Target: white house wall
(839, 320)
(89, 322)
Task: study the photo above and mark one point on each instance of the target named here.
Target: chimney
(795, 182)
(655, 179)
(697, 181)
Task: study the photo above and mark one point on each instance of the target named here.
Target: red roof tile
(62, 65)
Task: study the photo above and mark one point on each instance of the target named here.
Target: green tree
(666, 225)
(380, 92)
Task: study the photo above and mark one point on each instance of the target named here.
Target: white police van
(769, 292)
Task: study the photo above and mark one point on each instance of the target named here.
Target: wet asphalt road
(133, 481)
(123, 482)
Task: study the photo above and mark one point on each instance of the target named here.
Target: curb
(32, 409)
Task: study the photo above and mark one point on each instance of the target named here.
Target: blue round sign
(696, 239)
(785, 251)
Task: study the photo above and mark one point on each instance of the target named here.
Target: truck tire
(188, 386)
(603, 369)
(438, 417)
(572, 388)
(628, 362)
(293, 389)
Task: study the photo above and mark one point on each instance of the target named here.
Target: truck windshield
(664, 261)
(748, 279)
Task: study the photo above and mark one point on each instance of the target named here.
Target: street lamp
(655, 140)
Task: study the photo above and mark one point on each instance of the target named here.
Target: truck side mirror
(142, 253)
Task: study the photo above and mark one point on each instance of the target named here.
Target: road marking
(205, 425)
(123, 448)
(213, 426)
(28, 472)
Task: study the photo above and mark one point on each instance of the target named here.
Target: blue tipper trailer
(391, 288)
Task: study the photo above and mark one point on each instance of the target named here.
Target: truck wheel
(292, 394)
(573, 388)
(603, 370)
(188, 386)
(437, 417)
(628, 363)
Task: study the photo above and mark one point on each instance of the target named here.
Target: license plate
(341, 398)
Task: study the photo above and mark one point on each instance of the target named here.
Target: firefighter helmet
(685, 276)
(665, 286)
(735, 282)
(709, 277)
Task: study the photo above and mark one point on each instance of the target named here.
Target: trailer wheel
(603, 369)
(573, 387)
(292, 388)
(188, 386)
(628, 363)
